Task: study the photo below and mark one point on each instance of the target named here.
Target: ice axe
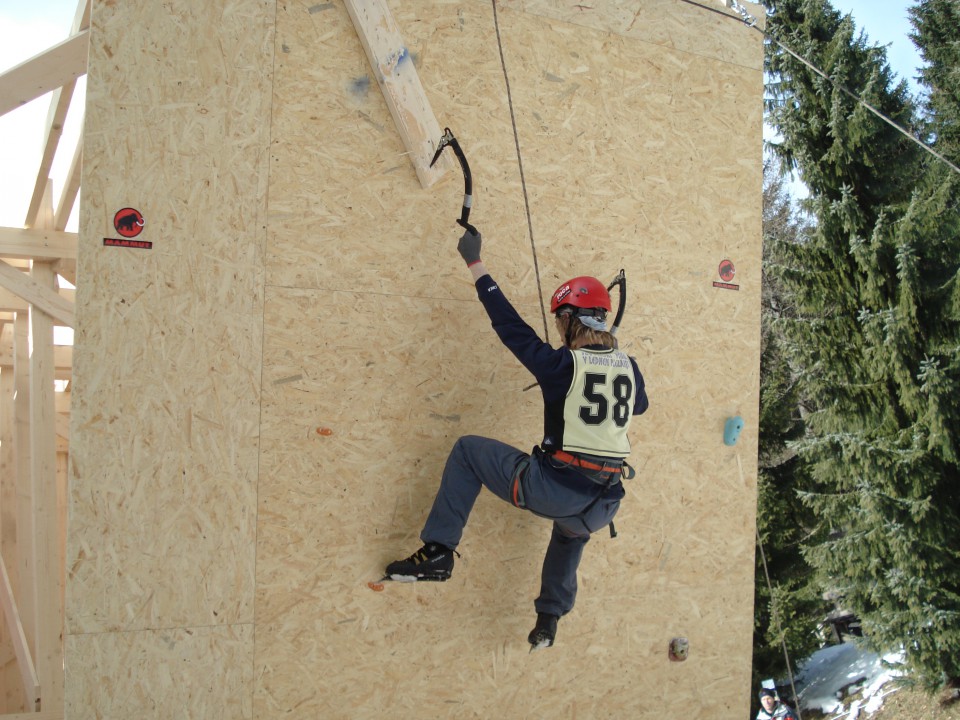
(448, 139)
(620, 282)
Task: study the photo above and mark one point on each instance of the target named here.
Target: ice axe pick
(448, 139)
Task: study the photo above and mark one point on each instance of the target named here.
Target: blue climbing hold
(731, 431)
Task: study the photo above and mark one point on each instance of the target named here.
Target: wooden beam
(81, 18)
(21, 649)
(63, 426)
(51, 69)
(21, 441)
(10, 678)
(393, 68)
(56, 117)
(43, 298)
(63, 402)
(10, 303)
(37, 244)
(47, 578)
(71, 189)
(67, 269)
(7, 657)
(62, 360)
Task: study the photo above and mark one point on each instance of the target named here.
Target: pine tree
(936, 24)
(787, 605)
(876, 338)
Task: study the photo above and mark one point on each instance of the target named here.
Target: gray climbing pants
(537, 483)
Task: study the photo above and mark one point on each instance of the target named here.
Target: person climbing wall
(591, 390)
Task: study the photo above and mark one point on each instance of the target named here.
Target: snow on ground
(826, 680)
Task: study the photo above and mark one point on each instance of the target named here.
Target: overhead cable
(750, 21)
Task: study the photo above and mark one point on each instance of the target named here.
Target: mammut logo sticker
(726, 270)
(128, 222)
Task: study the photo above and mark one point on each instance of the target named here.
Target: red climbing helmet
(585, 293)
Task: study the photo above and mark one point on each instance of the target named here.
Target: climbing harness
(447, 139)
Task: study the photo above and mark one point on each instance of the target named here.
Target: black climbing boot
(545, 632)
(431, 562)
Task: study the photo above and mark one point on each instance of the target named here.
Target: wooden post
(47, 578)
(21, 431)
(11, 683)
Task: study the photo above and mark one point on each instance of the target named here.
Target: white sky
(28, 27)
(886, 23)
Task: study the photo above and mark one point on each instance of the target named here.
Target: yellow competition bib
(599, 404)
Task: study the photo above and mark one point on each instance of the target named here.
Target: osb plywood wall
(264, 397)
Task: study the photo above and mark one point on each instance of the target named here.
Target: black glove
(469, 248)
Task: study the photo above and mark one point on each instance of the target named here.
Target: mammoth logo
(727, 270)
(128, 222)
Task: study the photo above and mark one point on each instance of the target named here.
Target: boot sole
(419, 578)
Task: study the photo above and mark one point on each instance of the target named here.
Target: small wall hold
(731, 431)
(679, 648)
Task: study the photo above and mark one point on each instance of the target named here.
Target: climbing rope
(776, 619)
(523, 183)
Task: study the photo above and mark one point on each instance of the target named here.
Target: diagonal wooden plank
(56, 116)
(393, 68)
(72, 188)
(20, 646)
(42, 298)
(55, 67)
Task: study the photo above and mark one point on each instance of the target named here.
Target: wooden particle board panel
(281, 377)
(402, 362)
(164, 437)
(191, 673)
(331, 467)
(345, 210)
(694, 28)
(635, 157)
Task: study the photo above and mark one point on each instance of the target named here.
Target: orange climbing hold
(375, 586)
(325, 431)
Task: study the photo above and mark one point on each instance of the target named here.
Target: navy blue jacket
(552, 367)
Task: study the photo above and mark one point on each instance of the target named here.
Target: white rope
(776, 618)
(523, 182)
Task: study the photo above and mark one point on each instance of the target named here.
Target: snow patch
(833, 674)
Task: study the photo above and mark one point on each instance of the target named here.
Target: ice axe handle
(448, 139)
(620, 282)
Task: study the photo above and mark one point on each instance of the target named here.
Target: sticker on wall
(128, 222)
(726, 271)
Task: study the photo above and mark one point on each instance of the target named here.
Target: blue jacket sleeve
(640, 402)
(553, 368)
